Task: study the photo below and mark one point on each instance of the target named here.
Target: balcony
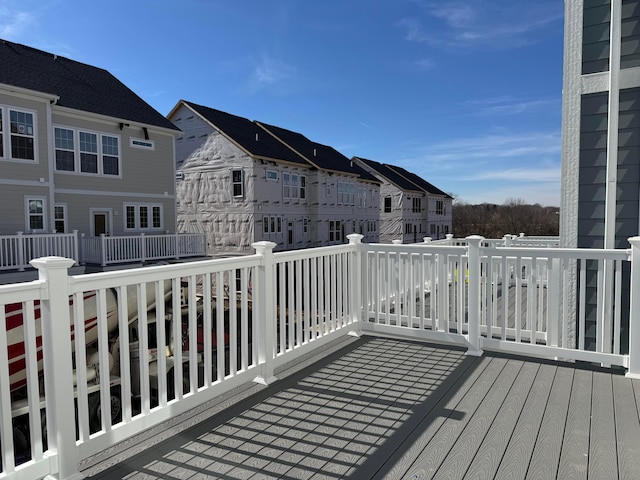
(16, 251)
(361, 361)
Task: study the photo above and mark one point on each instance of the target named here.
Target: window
(305, 225)
(272, 175)
(86, 152)
(417, 205)
(329, 186)
(439, 207)
(110, 155)
(346, 193)
(237, 183)
(36, 214)
(144, 144)
(60, 218)
(65, 150)
(22, 135)
(143, 217)
(293, 186)
(387, 204)
(362, 197)
(271, 225)
(335, 229)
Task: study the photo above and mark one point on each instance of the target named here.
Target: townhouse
(241, 181)
(79, 150)
(410, 207)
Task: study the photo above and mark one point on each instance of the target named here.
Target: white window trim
(137, 227)
(141, 143)
(27, 214)
(6, 135)
(233, 184)
(274, 175)
(76, 152)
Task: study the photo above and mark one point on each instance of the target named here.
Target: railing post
(474, 284)
(103, 249)
(634, 310)
(177, 245)
(396, 242)
(355, 283)
(57, 363)
(143, 250)
(76, 247)
(21, 259)
(264, 311)
(427, 239)
(449, 237)
(507, 239)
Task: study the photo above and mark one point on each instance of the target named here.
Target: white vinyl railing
(16, 251)
(133, 348)
(107, 250)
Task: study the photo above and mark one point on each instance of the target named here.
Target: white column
(474, 283)
(355, 284)
(57, 362)
(264, 312)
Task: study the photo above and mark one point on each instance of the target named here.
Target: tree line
(512, 217)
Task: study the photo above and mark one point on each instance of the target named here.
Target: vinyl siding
(27, 170)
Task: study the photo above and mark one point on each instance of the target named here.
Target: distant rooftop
(391, 175)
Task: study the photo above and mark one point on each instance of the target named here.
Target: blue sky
(465, 93)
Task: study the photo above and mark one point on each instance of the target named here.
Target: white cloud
(14, 22)
(481, 24)
(270, 70)
(510, 106)
(487, 149)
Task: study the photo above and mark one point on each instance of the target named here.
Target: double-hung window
(86, 152)
(237, 183)
(17, 135)
(36, 214)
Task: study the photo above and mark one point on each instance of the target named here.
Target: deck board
(380, 408)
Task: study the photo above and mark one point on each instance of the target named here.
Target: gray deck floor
(389, 409)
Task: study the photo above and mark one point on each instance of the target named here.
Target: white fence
(16, 251)
(148, 344)
(106, 250)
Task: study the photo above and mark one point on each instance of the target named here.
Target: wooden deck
(379, 408)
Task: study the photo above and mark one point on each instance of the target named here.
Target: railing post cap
(427, 239)
(52, 262)
(449, 236)
(263, 246)
(634, 241)
(355, 238)
(396, 242)
(475, 240)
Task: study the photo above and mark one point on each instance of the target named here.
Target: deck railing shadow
(341, 417)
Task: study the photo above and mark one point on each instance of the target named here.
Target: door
(99, 224)
(290, 234)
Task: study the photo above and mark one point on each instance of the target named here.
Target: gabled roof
(247, 135)
(323, 157)
(78, 86)
(390, 175)
(419, 181)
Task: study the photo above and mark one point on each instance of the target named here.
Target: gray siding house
(241, 181)
(79, 150)
(410, 207)
(601, 130)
